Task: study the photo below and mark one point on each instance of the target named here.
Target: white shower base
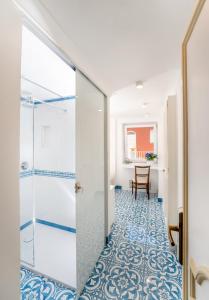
(54, 252)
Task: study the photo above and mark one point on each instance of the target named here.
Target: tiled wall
(26, 155)
(50, 183)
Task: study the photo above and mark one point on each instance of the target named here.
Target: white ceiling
(127, 102)
(123, 40)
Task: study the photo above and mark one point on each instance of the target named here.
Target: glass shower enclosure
(47, 179)
(27, 203)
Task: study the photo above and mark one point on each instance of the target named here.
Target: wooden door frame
(186, 40)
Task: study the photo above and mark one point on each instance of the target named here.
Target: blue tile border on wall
(55, 225)
(26, 173)
(59, 174)
(47, 173)
(25, 225)
(50, 224)
(67, 98)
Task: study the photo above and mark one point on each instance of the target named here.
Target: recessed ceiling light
(99, 110)
(139, 84)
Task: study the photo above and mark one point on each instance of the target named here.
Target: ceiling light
(99, 110)
(139, 84)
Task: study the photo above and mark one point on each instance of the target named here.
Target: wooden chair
(141, 180)
(177, 228)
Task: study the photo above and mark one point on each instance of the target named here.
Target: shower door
(27, 182)
(90, 208)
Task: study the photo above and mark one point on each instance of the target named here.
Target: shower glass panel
(54, 167)
(48, 225)
(27, 223)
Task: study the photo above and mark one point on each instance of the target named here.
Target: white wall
(54, 139)
(163, 154)
(179, 98)
(198, 143)
(26, 135)
(10, 53)
(112, 154)
(55, 151)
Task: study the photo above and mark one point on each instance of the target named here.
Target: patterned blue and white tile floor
(136, 264)
(35, 287)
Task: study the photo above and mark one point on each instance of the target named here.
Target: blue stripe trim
(55, 100)
(26, 173)
(51, 224)
(26, 225)
(55, 225)
(57, 174)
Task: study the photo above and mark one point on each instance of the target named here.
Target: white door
(198, 144)
(90, 210)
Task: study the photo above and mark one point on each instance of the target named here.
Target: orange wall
(143, 138)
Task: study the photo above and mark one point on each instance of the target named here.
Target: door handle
(78, 187)
(198, 275)
(170, 229)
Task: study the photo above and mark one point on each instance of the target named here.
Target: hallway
(137, 263)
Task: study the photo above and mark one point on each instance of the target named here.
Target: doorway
(61, 141)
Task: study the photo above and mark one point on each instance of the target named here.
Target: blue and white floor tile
(137, 263)
(36, 287)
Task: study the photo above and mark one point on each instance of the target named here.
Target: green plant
(150, 156)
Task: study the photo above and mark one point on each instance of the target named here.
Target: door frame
(29, 22)
(186, 40)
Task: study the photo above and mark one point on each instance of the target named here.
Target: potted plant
(150, 156)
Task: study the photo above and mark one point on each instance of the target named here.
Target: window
(139, 140)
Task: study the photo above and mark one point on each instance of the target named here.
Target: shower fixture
(30, 100)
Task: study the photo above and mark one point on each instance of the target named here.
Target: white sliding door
(90, 211)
